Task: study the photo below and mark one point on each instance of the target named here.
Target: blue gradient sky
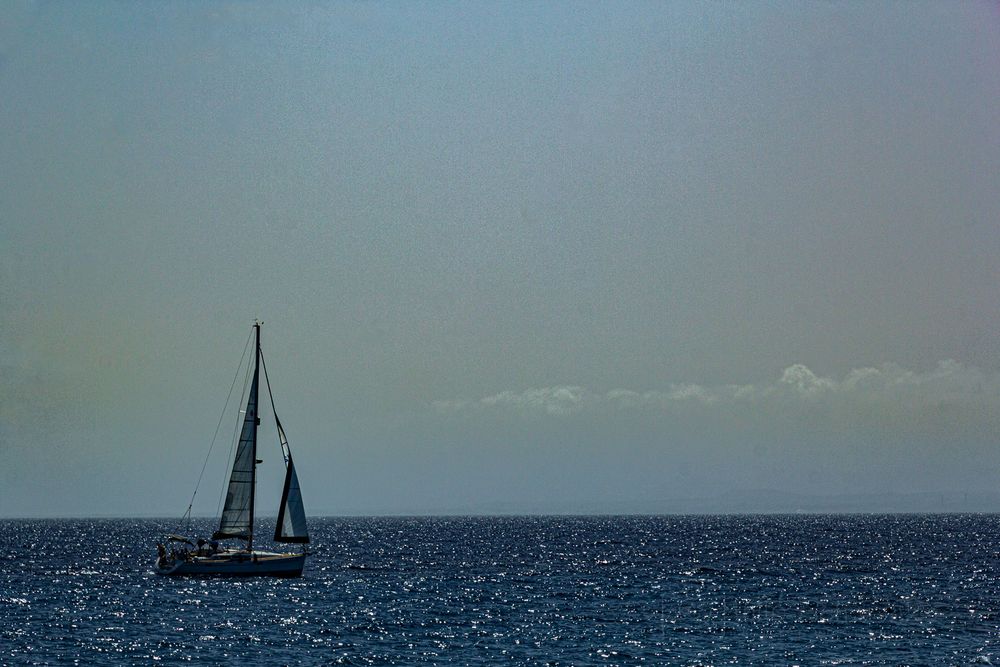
(517, 257)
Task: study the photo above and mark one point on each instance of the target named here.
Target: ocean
(658, 590)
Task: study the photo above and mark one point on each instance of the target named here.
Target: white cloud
(805, 382)
(949, 383)
(559, 400)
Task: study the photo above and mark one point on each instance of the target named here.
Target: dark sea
(671, 590)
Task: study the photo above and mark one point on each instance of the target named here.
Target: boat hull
(236, 564)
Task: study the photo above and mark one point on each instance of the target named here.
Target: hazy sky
(537, 257)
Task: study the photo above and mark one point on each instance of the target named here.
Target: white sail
(237, 514)
(291, 525)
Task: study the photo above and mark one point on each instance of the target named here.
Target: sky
(549, 257)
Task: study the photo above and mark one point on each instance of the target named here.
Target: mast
(256, 423)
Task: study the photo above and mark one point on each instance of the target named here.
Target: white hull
(236, 564)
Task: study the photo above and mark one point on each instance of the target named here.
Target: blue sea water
(672, 590)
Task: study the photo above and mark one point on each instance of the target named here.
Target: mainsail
(237, 514)
(291, 525)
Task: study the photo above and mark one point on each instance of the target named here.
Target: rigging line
(237, 429)
(217, 427)
(285, 454)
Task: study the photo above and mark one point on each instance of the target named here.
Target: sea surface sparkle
(671, 590)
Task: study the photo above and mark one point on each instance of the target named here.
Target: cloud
(950, 383)
(559, 401)
(804, 381)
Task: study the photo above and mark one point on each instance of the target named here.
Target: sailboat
(210, 557)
